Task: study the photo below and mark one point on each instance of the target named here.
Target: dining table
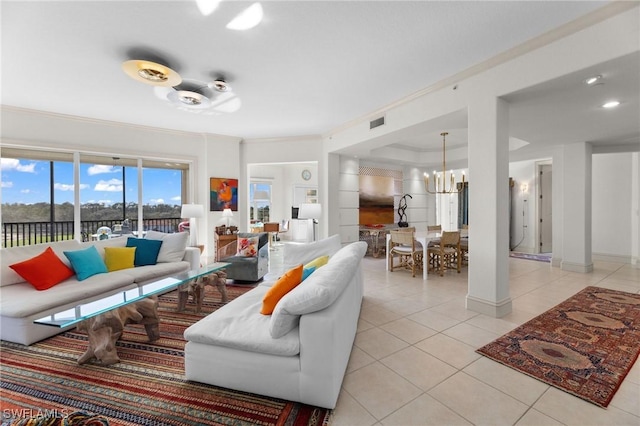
(424, 238)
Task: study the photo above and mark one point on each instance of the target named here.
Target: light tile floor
(414, 360)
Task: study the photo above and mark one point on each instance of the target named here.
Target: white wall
(284, 178)
(298, 154)
(612, 205)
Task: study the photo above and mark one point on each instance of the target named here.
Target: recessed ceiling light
(596, 79)
(611, 104)
(248, 18)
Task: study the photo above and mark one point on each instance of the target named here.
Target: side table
(221, 241)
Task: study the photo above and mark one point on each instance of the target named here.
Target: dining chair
(464, 245)
(403, 245)
(411, 229)
(435, 242)
(447, 254)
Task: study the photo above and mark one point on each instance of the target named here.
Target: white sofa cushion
(173, 245)
(240, 325)
(295, 254)
(141, 274)
(318, 291)
(18, 254)
(22, 300)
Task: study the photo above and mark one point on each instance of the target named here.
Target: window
(35, 208)
(38, 191)
(259, 201)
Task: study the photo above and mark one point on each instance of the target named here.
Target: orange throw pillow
(43, 271)
(284, 285)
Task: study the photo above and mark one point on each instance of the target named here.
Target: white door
(545, 208)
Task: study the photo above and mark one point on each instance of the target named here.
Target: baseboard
(576, 267)
(486, 307)
(603, 257)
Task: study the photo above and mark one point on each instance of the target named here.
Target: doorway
(545, 210)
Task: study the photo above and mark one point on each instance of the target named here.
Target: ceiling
(307, 68)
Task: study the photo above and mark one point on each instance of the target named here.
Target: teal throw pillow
(86, 263)
(146, 250)
(307, 271)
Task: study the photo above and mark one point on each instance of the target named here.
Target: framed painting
(223, 194)
(376, 199)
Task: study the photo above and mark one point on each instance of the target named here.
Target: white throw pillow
(295, 253)
(318, 291)
(173, 245)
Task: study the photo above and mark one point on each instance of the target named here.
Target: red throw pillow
(43, 271)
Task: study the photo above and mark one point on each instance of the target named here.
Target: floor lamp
(192, 212)
(311, 211)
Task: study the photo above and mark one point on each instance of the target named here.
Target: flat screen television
(294, 212)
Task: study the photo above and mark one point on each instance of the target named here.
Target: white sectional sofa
(300, 352)
(21, 303)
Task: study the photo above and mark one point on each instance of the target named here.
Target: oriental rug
(146, 388)
(585, 346)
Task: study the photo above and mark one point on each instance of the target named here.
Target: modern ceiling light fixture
(247, 19)
(151, 73)
(611, 104)
(188, 95)
(440, 185)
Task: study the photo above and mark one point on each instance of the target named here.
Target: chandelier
(440, 181)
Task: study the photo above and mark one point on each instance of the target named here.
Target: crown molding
(110, 123)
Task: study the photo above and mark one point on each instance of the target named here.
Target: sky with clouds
(27, 182)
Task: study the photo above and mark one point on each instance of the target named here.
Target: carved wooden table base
(195, 288)
(105, 330)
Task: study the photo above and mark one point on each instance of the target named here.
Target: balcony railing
(29, 233)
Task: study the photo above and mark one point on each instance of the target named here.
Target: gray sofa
(21, 303)
(249, 269)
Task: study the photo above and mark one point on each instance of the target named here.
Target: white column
(576, 212)
(489, 207)
(77, 218)
(635, 209)
(558, 206)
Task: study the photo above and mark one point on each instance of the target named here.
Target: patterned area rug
(585, 346)
(146, 388)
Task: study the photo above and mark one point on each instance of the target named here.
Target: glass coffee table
(104, 319)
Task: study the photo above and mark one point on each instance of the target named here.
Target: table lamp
(228, 214)
(192, 212)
